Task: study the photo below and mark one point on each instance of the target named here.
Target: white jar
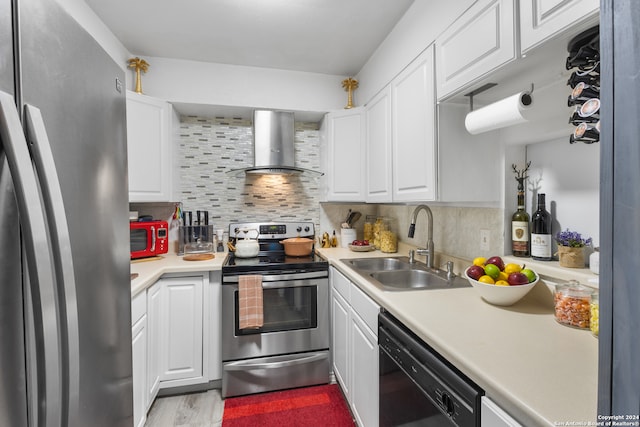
(594, 261)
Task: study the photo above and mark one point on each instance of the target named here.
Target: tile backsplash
(209, 147)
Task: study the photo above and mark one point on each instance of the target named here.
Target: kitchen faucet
(429, 250)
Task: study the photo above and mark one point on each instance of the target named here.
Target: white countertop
(150, 270)
(537, 370)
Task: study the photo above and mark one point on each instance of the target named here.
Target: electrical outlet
(484, 239)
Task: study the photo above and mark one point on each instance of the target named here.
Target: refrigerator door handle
(41, 153)
(49, 393)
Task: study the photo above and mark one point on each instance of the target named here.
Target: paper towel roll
(507, 112)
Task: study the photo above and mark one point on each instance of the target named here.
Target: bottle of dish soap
(334, 240)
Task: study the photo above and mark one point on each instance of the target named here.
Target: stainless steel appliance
(274, 145)
(65, 298)
(418, 386)
(292, 348)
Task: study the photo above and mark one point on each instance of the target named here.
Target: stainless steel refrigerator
(65, 301)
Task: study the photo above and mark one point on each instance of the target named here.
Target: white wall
(569, 175)
(418, 28)
(240, 86)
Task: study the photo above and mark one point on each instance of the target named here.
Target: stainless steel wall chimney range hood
(273, 145)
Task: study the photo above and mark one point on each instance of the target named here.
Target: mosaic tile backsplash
(209, 147)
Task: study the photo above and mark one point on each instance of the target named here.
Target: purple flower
(572, 239)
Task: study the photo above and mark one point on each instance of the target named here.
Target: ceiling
(334, 37)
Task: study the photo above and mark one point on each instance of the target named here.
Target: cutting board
(198, 257)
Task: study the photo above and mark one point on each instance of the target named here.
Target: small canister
(572, 304)
(378, 227)
(368, 227)
(388, 241)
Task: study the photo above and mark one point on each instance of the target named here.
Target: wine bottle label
(520, 236)
(541, 245)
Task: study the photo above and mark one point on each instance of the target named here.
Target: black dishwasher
(418, 387)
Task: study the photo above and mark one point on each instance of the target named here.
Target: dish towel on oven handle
(250, 302)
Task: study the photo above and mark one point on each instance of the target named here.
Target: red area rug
(304, 407)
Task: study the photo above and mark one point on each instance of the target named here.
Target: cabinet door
(364, 364)
(340, 341)
(478, 42)
(414, 161)
(378, 150)
(154, 325)
(149, 149)
(215, 325)
(346, 156)
(181, 342)
(540, 20)
(492, 415)
(139, 364)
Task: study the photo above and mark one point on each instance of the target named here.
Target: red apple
(497, 261)
(515, 279)
(475, 271)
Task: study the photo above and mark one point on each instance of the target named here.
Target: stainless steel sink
(398, 274)
(378, 264)
(414, 279)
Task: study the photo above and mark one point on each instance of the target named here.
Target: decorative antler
(349, 85)
(520, 174)
(138, 65)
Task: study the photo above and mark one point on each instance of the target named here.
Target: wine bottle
(520, 227)
(541, 232)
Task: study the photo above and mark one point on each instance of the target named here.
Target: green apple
(529, 273)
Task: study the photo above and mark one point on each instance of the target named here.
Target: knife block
(203, 234)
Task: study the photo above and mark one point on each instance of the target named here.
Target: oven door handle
(281, 277)
(243, 366)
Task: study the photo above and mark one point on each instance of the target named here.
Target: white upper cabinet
(379, 163)
(345, 156)
(149, 148)
(413, 112)
(540, 20)
(478, 42)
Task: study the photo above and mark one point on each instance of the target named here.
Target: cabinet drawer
(340, 284)
(366, 308)
(138, 307)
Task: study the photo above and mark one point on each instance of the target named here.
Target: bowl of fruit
(360, 246)
(500, 284)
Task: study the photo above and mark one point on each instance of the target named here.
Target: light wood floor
(202, 409)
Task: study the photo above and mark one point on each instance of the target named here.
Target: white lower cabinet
(154, 314)
(175, 336)
(181, 342)
(139, 358)
(491, 415)
(340, 312)
(354, 319)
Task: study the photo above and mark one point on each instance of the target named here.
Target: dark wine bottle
(520, 227)
(541, 232)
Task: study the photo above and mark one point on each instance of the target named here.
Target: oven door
(296, 317)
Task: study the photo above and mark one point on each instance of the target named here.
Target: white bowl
(501, 295)
(363, 248)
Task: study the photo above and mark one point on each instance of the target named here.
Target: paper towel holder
(482, 89)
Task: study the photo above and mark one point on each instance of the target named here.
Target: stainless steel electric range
(291, 349)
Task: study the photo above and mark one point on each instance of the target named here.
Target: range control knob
(447, 403)
(306, 229)
(299, 229)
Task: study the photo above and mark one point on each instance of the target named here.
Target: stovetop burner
(271, 257)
